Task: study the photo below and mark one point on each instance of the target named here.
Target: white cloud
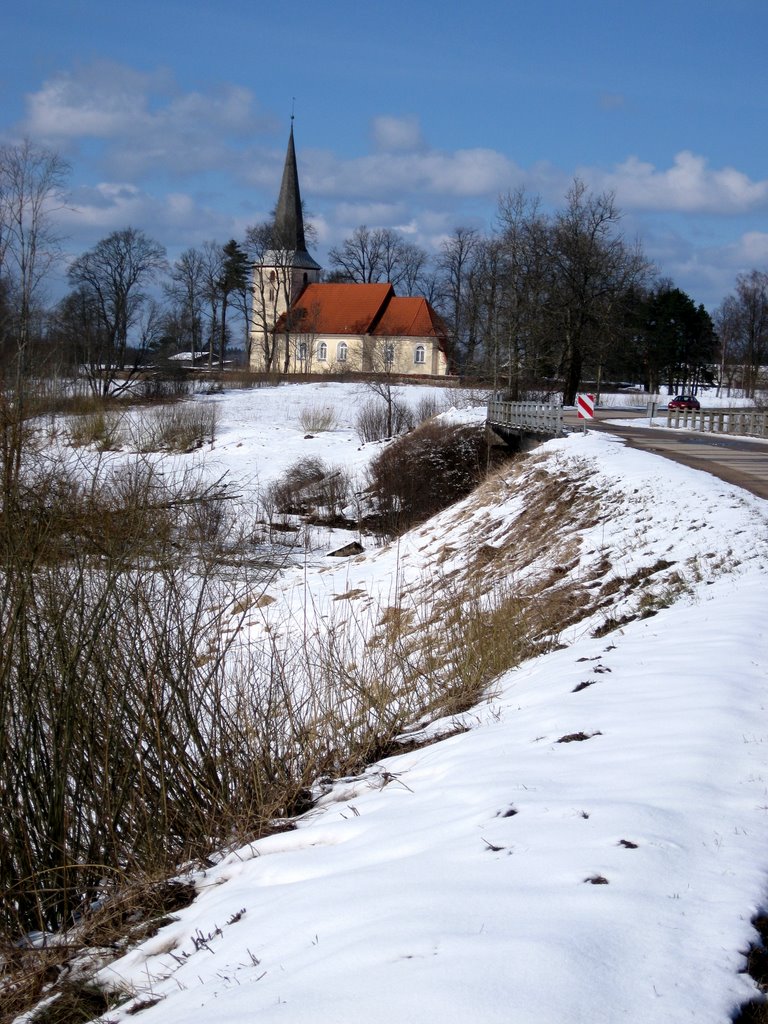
(373, 214)
(175, 218)
(688, 186)
(107, 205)
(396, 133)
(465, 172)
(751, 250)
(100, 100)
(706, 268)
(143, 121)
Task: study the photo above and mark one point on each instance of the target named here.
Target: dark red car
(684, 402)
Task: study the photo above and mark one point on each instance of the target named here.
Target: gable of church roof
(410, 317)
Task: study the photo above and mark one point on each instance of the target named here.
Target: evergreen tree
(235, 272)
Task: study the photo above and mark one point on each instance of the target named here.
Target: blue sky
(174, 117)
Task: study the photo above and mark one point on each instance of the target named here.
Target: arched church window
(341, 352)
(419, 354)
(322, 352)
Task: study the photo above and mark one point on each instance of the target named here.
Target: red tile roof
(409, 318)
(340, 308)
(363, 309)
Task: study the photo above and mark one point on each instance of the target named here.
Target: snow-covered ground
(502, 874)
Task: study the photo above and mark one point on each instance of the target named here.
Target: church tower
(287, 267)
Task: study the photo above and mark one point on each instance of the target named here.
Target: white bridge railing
(746, 422)
(527, 417)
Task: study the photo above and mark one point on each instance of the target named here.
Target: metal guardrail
(744, 422)
(527, 417)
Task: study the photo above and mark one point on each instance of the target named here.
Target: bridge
(741, 422)
(514, 421)
(706, 442)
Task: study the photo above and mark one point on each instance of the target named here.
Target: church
(302, 325)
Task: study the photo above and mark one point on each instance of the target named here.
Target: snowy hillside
(588, 844)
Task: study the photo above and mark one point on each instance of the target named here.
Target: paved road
(738, 461)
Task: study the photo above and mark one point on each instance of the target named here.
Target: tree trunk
(223, 331)
(572, 372)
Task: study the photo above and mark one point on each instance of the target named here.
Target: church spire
(289, 218)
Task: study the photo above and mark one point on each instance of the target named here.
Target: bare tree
(380, 254)
(727, 322)
(32, 182)
(115, 272)
(80, 334)
(751, 309)
(402, 262)
(457, 266)
(260, 247)
(358, 259)
(524, 274)
(592, 266)
(212, 269)
(186, 290)
(274, 289)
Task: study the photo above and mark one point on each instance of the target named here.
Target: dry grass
(429, 406)
(756, 1010)
(171, 427)
(753, 1012)
(378, 420)
(60, 973)
(177, 427)
(102, 428)
(318, 419)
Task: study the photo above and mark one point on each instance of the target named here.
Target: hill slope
(592, 846)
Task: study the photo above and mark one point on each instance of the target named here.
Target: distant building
(304, 326)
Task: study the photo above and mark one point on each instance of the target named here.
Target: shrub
(425, 471)
(117, 748)
(101, 428)
(311, 487)
(317, 419)
(375, 418)
(172, 382)
(176, 427)
(293, 493)
(428, 407)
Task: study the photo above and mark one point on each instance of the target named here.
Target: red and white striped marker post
(585, 408)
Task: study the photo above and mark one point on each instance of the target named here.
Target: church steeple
(284, 270)
(289, 217)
